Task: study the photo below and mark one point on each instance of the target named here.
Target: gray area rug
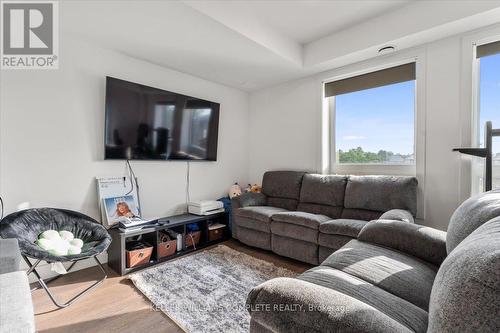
(206, 292)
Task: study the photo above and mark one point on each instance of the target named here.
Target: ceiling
(305, 21)
(251, 45)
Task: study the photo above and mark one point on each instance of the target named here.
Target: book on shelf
(120, 209)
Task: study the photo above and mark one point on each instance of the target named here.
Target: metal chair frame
(43, 283)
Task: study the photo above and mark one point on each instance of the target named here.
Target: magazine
(120, 208)
(114, 187)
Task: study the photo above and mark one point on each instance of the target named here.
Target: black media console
(117, 249)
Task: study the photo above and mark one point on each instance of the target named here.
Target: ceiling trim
(235, 16)
(408, 26)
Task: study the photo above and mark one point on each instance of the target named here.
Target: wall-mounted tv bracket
(485, 152)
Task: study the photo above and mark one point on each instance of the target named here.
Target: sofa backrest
(282, 188)
(465, 293)
(471, 214)
(338, 196)
(367, 197)
(322, 194)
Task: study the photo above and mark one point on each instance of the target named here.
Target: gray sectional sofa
(308, 216)
(396, 277)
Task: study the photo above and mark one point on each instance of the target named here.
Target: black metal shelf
(117, 249)
(160, 260)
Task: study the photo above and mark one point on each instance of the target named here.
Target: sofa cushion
(466, 293)
(260, 213)
(285, 203)
(251, 223)
(472, 213)
(398, 215)
(395, 307)
(282, 184)
(282, 188)
(426, 243)
(324, 252)
(329, 244)
(255, 238)
(345, 227)
(294, 231)
(256, 217)
(333, 212)
(360, 214)
(381, 193)
(323, 189)
(295, 249)
(395, 272)
(332, 301)
(16, 307)
(333, 241)
(304, 219)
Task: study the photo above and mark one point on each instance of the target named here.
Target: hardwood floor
(116, 305)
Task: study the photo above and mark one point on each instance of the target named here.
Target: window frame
(331, 166)
(477, 164)
(327, 161)
(396, 168)
(469, 167)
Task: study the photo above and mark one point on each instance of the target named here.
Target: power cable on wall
(188, 197)
(127, 166)
(1, 208)
(133, 183)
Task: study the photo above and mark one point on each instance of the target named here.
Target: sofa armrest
(248, 199)
(398, 215)
(425, 243)
(10, 256)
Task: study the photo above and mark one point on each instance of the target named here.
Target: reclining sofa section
(396, 277)
(308, 216)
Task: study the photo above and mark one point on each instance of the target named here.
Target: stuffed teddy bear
(234, 191)
(255, 188)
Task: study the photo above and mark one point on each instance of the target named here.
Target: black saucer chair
(28, 224)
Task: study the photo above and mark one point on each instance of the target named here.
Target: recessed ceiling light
(387, 49)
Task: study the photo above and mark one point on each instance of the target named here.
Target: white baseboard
(45, 271)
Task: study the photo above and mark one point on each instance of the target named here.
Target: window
(488, 108)
(373, 117)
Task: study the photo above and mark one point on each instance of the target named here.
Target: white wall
(52, 129)
(285, 122)
(288, 119)
(442, 170)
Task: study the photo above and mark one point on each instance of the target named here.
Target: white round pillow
(74, 250)
(45, 244)
(76, 242)
(50, 234)
(58, 251)
(66, 235)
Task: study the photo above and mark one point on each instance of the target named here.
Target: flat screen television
(145, 123)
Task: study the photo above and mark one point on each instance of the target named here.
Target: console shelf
(177, 223)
